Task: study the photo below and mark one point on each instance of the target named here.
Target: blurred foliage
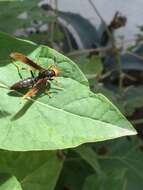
(29, 20)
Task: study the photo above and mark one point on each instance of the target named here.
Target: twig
(117, 55)
(103, 21)
(68, 38)
(135, 55)
(53, 24)
(56, 9)
(82, 51)
(138, 121)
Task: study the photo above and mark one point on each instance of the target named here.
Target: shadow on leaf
(28, 103)
(4, 177)
(18, 93)
(22, 111)
(4, 113)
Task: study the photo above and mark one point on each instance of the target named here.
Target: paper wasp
(35, 83)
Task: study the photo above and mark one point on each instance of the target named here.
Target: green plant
(73, 116)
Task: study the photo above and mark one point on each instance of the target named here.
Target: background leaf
(92, 67)
(89, 155)
(74, 168)
(124, 155)
(114, 180)
(10, 44)
(11, 184)
(34, 170)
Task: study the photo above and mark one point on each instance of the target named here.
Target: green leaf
(132, 99)
(73, 116)
(91, 67)
(121, 165)
(90, 157)
(11, 184)
(73, 174)
(34, 170)
(10, 44)
(124, 155)
(11, 11)
(114, 180)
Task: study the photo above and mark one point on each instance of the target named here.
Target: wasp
(35, 83)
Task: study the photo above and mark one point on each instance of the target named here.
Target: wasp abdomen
(26, 83)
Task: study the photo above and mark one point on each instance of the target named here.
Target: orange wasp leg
(31, 93)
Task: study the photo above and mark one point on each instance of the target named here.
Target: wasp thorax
(47, 74)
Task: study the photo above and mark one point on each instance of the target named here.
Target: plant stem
(138, 121)
(118, 60)
(103, 21)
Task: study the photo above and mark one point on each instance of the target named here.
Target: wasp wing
(36, 88)
(20, 57)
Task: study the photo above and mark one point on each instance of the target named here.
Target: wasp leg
(29, 69)
(48, 93)
(30, 93)
(32, 74)
(18, 69)
(57, 83)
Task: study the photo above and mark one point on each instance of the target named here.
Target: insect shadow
(4, 113)
(23, 110)
(30, 101)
